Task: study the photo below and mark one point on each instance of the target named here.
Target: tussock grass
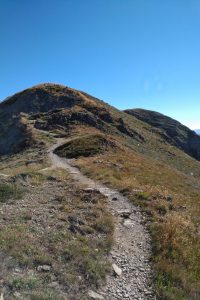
(48, 295)
(9, 192)
(28, 283)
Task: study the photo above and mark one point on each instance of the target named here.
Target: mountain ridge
(173, 131)
(145, 160)
(53, 107)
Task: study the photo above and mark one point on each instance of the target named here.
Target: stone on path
(117, 270)
(94, 295)
(44, 268)
(128, 223)
(124, 213)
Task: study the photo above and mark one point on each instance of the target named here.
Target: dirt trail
(132, 248)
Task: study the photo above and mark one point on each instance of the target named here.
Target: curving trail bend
(132, 248)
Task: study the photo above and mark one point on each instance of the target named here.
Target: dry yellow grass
(171, 202)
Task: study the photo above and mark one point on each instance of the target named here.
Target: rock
(91, 190)
(124, 213)
(44, 268)
(16, 295)
(169, 198)
(53, 284)
(4, 175)
(51, 178)
(128, 288)
(94, 295)
(114, 199)
(17, 270)
(128, 223)
(117, 270)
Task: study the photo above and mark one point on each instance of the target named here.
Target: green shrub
(9, 191)
(84, 146)
(25, 283)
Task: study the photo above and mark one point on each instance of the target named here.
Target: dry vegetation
(170, 200)
(54, 236)
(143, 164)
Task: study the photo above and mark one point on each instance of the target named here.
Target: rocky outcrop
(15, 135)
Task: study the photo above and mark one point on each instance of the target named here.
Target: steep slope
(170, 130)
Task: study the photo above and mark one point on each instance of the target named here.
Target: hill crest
(54, 107)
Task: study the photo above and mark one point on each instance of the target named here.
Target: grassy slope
(152, 172)
(171, 130)
(48, 220)
(170, 199)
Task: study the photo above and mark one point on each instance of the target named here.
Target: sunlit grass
(174, 222)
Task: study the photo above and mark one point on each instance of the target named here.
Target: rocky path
(132, 271)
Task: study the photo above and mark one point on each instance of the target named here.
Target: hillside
(197, 131)
(63, 111)
(170, 130)
(151, 159)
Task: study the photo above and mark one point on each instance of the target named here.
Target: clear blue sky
(130, 53)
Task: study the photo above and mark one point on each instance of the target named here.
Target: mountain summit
(56, 107)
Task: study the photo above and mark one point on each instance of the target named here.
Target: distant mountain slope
(171, 130)
(197, 131)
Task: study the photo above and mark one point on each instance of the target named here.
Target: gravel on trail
(130, 257)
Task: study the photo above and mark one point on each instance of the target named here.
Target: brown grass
(74, 240)
(170, 200)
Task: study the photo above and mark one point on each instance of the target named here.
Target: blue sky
(130, 53)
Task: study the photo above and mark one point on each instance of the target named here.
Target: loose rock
(44, 268)
(117, 270)
(94, 295)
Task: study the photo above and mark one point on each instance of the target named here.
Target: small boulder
(169, 198)
(124, 213)
(128, 223)
(54, 284)
(117, 270)
(51, 178)
(16, 295)
(92, 190)
(44, 268)
(114, 199)
(94, 295)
